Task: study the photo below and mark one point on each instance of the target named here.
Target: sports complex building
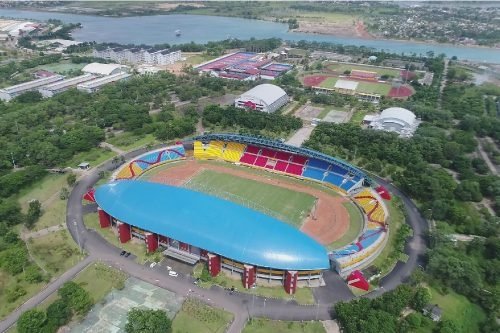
(191, 226)
(264, 97)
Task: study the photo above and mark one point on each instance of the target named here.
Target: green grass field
(95, 156)
(374, 88)
(329, 83)
(8, 282)
(56, 252)
(128, 141)
(341, 68)
(260, 325)
(41, 190)
(197, 317)
(62, 67)
(139, 250)
(458, 309)
(292, 207)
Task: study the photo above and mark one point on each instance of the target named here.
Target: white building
(264, 97)
(96, 68)
(139, 56)
(94, 85)
(8, 93)
(60, 86)
(395, 119)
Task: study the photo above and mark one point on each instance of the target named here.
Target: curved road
(241, 305)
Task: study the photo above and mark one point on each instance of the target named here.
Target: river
(158, 29)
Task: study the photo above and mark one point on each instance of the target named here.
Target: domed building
(396, 119)
(264, 97)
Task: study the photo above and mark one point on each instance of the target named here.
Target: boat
(177, 32)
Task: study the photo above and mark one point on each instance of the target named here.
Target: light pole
(78, 236)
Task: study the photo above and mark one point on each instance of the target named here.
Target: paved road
(240, 304)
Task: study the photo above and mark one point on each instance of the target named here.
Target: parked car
(153, 264)
(127, 254)
(173, 273)
(123, 252)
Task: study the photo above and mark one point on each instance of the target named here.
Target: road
(242, 305)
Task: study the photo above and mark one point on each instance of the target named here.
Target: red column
(163, 239)
(213, 264)
(104, 218)
(151, 242)
(204, 254)
(291, 282)
(248, 276)
(183, 246)
(124, 232)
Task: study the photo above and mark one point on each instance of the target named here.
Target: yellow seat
(233, 151)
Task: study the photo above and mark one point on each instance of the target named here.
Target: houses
(139, 55)
(433, 311)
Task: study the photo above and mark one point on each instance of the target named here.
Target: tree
(32, 274)
(64, 194)
(71, 179)
(421, 298)
(34, 213)
(58, 314)
(31, 321)
(148, 321)
(76, 297)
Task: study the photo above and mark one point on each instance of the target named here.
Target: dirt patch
(328, 221)
(308, 112)
(314, 80)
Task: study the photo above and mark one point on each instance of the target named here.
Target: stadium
(179, 200)
(264, 97)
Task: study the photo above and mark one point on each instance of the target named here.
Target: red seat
(248, 159)
(294, 169)
(261, 161)
(252, 149)
(268, 152)
(299, 159)
(281, 155)
(281, 166)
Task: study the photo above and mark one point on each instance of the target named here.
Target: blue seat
(313, 174)
(334, 179)
(315, 163)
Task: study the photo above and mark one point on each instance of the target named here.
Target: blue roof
(216, 225)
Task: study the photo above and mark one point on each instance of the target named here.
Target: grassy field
(358, 116)
(55, 252)
(457, 308)
(355, 226)
(327, 17)
(301, 296)
(62, 67)
(8, 282)
(95, 156)
(195, 316)
(99, 279)
(341, 68)
(260, 325)
(292, 207)
(41, 190)
(139, 250)
(395, 220)
(373, 88)
(329, 83)
(196, 59)
(129, 141)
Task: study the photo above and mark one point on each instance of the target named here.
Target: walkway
(43, 232)
(113, 148)
(240, 304)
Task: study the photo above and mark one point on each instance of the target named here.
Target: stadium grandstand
(246, 66)
(132, 206)
(264, 97)
(396, 119)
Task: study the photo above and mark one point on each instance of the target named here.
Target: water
(201, 29)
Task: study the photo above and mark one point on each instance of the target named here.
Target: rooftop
(213, 224)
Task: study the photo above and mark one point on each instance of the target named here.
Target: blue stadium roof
(216, 225)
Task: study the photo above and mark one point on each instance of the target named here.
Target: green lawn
(56, 252)
(457, 308)
(341, 68)
(302, 295)
(395, 220)
(128, 141)
(197, 59)
(329, 83)
(61, 67)
(355, 226)
(7, 282)
(99, 279)
(287, 205)
(373, 88)
(42, 190)
(53, 214)
(358, 116)
(260, 325)
(138, 249)
(327, 17)
(95, 156)
(197, 317)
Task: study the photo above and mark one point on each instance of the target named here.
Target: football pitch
(289, 206)
(374, 88)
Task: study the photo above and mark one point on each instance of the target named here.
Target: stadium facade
(192, 227)
(264, 97)
(398, 120)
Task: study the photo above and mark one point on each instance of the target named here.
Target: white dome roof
(268, 93)
(397, 113)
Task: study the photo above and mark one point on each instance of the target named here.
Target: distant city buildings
(139, 56)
